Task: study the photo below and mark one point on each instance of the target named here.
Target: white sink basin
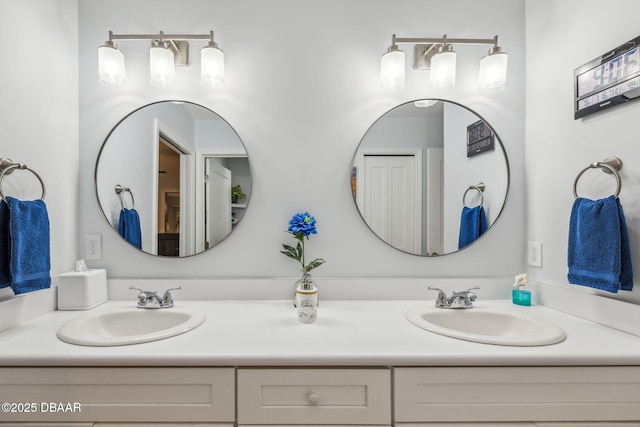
(130, 325)
(488, 325)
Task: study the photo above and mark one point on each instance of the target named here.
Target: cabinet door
(46, 425)
(158, 394)
(530, 424)
(517, 394)
(314, 396)
(588, 424)
(156, 425)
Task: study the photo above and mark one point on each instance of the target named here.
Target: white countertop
(347, 333)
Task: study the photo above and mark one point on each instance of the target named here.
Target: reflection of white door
(390, 204)
(218, 202)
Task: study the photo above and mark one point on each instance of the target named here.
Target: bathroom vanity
(362, 364)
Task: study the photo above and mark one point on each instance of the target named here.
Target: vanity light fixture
(443, 68)
(167, 51)
(162, 70)
(392, 67)
(437, 55)
(212, 64)
(493, 70)
(111, 64)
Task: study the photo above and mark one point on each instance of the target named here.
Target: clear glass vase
(306, 300)
(305, 281)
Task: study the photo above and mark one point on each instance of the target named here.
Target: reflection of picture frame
(354, 180)
(480, 138)
(608, 80)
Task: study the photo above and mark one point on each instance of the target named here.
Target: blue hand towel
(599, 254)
(5, 250)
(129, 227)
(30, 251)
(473, 223)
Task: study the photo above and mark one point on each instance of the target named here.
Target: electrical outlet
(535, 254)
(93, 246)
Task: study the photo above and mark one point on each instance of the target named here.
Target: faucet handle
(472, 296)
(143, 296)
(442, 297)
(167, 294)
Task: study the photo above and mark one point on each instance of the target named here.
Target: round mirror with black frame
(173, 178)
(430, 177)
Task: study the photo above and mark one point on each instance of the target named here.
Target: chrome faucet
(151, 299)
(462, 299)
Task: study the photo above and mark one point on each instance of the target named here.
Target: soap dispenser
(519, 295)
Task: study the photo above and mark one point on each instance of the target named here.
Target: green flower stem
(302, 261)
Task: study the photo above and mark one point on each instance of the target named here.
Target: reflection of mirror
(178, 161)
(417, 173)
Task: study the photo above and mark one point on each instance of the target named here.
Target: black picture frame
(480, 138)
(611, 79)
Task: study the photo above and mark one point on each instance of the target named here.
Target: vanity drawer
(314, 396)
(451, 394)
(131, 394)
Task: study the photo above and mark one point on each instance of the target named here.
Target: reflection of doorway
(390, 200)
(389, 195)
(169, 174)
(217, 204)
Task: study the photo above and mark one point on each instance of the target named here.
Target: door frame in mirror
(187, 231)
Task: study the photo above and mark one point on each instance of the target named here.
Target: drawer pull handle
(314, 399)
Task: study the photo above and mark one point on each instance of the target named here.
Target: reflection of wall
(405, 132)
(462, 171)
(217, 137)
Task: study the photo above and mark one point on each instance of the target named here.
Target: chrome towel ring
(610, 165)
(479, 188)
(7, 166)
(120, 190)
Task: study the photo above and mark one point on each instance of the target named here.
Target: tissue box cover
(82, 290)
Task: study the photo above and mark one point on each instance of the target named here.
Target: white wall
(561, 36)
(302, 89)
(39, 106)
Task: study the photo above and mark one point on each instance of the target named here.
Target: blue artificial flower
(301, 226)
(303, 223)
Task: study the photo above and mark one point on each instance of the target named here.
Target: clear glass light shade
(492, 76)
(161, 67)
(392, 70)
(111, 66)
(212, 66)
(443, 71)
